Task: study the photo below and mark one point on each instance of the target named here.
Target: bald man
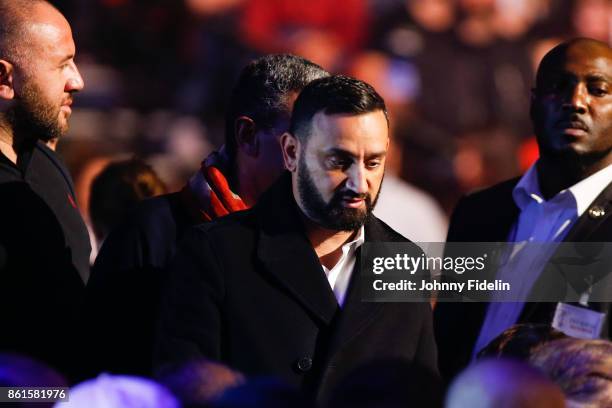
(44, 245)
(565, 196)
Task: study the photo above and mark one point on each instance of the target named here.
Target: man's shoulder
(236, 223)
(155, 208)
(232, 237)
(487, 200)
(148, 235)
(500, 191)
(153, 217)
(484, 215)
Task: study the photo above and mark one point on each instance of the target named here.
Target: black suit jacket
(488, 216)
(249, 290)
(123, 293)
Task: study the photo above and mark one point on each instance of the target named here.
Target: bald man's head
(15, 17)
(38, 75)
(559, 54)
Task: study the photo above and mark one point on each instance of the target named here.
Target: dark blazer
(249, 290)
(122, 296)
(488, 216)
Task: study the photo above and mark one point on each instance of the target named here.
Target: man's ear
(290, 147)
(246, 136)
(6, 80)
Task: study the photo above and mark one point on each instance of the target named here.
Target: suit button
(304, 364)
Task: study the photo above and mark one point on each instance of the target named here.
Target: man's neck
(326, 243)
(557, 174)
(243, 183)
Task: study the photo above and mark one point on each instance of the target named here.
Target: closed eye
(598, 90)
(336, 162)
(373, 164)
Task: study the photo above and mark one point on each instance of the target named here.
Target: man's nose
(357, 180)
(75, 82)
(577, 99)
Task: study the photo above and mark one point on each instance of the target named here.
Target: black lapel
(357, 315)
(287, 254)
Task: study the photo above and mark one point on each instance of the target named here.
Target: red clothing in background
(268, 24)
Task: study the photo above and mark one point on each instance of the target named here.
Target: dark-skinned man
(565, 197)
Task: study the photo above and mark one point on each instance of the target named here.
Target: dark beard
(32, 119)
(332, 215)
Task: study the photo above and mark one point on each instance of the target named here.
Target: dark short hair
(263, 89)
(333, 95)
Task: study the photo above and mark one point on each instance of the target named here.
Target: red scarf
(207, 194)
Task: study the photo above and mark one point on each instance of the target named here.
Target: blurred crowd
(527, 366)
(456, 76)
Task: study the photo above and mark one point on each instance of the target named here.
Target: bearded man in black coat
(275, 290)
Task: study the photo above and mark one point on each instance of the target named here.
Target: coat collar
(596, 214)
(357, 314)
(287, 254)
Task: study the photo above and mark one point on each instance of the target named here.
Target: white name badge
(577, 321)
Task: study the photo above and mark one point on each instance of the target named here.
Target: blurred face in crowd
(45, 76)
(433, 15)
(591, 18)
(340, 168)
(572, 103)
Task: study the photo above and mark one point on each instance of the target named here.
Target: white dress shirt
(539, 220)
(340, 275)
